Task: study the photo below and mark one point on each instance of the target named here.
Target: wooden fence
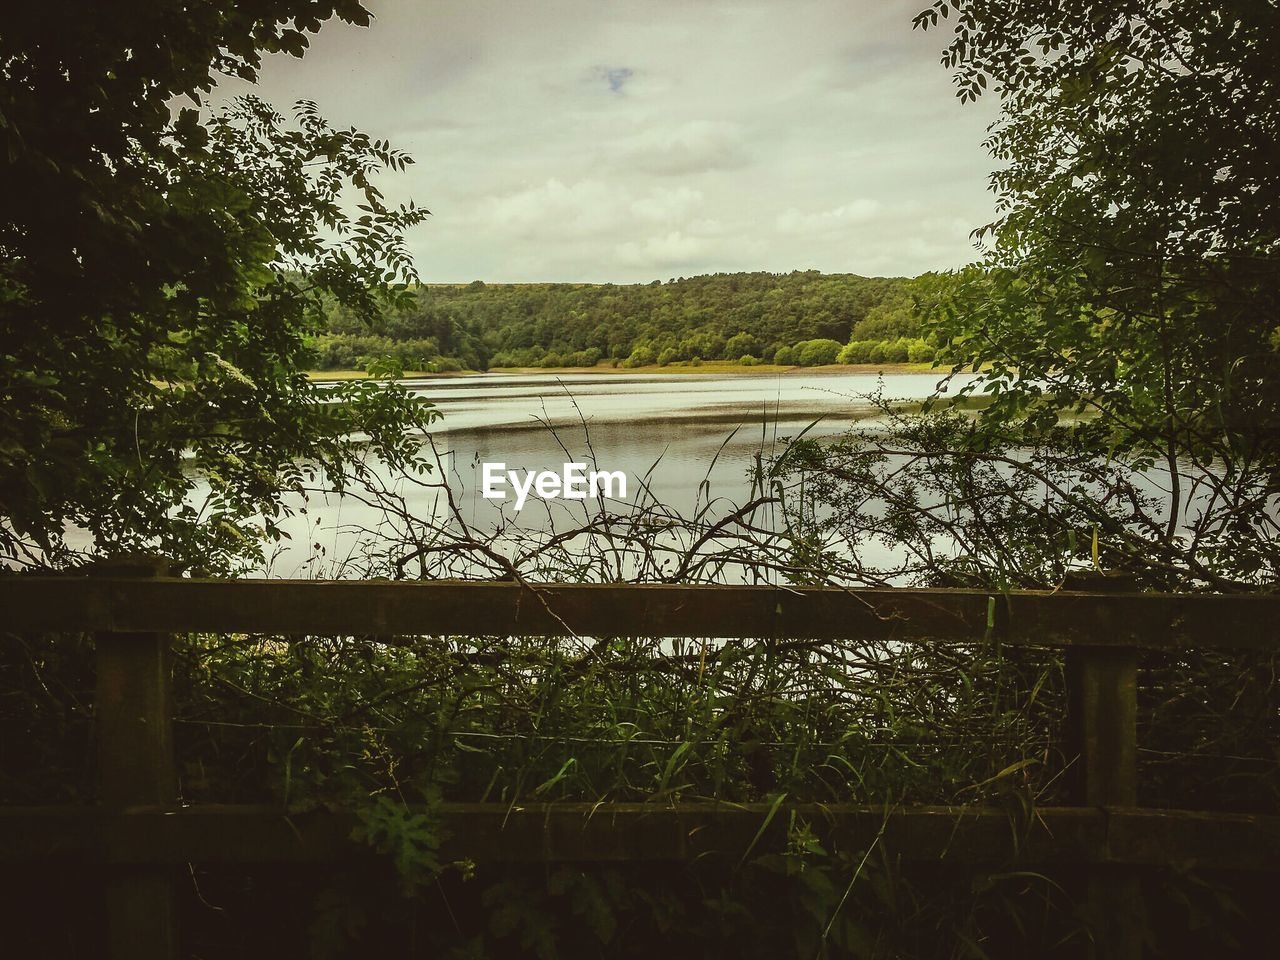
(139, 833)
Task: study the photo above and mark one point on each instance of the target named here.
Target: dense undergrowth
(391, 727)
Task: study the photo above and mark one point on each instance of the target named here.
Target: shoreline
(715, 367)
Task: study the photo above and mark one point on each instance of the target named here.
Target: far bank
(714, 367)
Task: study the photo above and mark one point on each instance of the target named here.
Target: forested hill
(800, 317)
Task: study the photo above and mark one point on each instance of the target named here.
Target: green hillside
(804, 318)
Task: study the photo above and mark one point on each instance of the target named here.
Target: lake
(682, 439)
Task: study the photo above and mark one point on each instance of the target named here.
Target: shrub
(897, 351)
(742, 343)
(519, 357)
(816, 353)
(920, 352)
(857, 351)
(785, 356)
(641, 356)
(747, 360)
(666, 356)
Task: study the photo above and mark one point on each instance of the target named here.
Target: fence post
(1102, 733)
(136, 772)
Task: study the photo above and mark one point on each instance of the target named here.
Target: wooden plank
(133, 720)
(1102, 700)
(291, 607)
(134, 730)
(1102, 714)
(631, 832)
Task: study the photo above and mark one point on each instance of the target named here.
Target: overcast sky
(633, 140)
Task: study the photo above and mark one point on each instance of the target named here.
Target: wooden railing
(139, 832)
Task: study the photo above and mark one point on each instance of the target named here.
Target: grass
(719, 367)
(336, 375)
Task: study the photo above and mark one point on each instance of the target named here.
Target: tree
(1124, 319)
(641, 356)
(919, 351)
(740, 343)
(159, 275)
(897, 351)
(893, 318)
(856, 351)
(694, 316)
(1134, 273)
(816, 353)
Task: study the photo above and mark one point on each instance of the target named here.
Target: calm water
(682, 439)
(666, 428)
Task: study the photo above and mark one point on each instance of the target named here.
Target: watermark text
(573, 482)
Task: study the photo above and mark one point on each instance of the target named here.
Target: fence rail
(637, 832)
(139, 833)
(1063, 618)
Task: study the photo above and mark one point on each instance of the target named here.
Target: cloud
(666, 205)
(562, 224)
(792, 221)
(584, 207)
(695, 250)
(695, 146)
(597, 140)
(670, 250)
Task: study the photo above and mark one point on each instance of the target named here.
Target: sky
(635, 140)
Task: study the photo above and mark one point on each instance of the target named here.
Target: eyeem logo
(574, 482)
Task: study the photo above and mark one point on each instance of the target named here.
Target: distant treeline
(800, 318)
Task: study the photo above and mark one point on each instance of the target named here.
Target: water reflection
(682, 439)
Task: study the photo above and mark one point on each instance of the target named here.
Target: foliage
(815, 353)
(409, 838)
(393, 726)
(641, 356)
(392, 730)
(349, 352)
(896, 316)
(159, 276)
(1090, 356)
(742, 343)
(717, 317)
(1124, 320)
(920, 351)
